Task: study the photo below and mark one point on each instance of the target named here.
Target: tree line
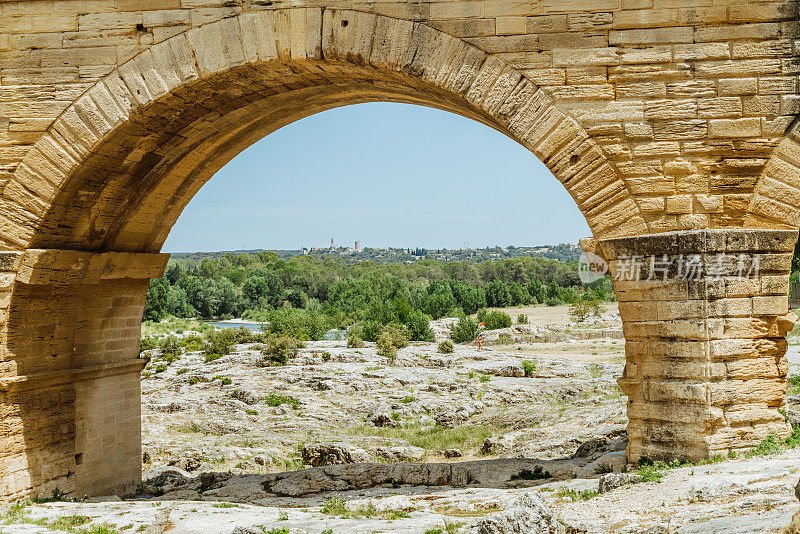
(309, 295)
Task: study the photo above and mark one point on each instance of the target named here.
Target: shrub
(464, 331)
(498, 294)
(354, 341)
(326, 356)
(497, 319)
(553, 301)
(147, 343)
(583, 308)
(481, 315)
(419, 328)
(528, 367)
(191, 343)
(219, 343)
(522, 319)
(391, 338)
(446, 347)
(275, 399)
(370, 330)
(278, 349)
(246, 335)
(169, 348)
(304, 324)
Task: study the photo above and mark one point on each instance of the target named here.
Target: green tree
(156, 301)
(464, 331)
(263, 290)
(440, 300)
(419, 328)
(469, 298)
(497, 294)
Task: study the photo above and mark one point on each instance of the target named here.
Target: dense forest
(323, 294)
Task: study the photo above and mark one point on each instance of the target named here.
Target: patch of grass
(485, 378)
(454, 512)
(225, 505)
(251, 412)
(97, 529)
(595, 371)
(652, 471)
(435, 438)
(275, 399)
(576, 496)
(449, 527)
(770, 445)
(794, 384)
(191, 428)
(68, 522)
(337, 506)
(408, 399)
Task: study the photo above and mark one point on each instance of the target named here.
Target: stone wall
(656, 115)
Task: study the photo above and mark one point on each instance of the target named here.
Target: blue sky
(384, 174)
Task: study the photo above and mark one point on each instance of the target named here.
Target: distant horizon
(379, 173)
(364, 247)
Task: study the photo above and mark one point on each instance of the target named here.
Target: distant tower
(358, 246)
(332, 244)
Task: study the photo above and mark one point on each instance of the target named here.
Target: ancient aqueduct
(670, 122)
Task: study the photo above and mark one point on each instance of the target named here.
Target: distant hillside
(562, 252)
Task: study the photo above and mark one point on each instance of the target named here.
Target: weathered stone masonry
(658, 116)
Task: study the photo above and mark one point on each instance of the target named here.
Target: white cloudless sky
(386, 175)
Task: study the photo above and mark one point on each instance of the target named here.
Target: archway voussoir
(545, 123)
(209, 49)
(522, 93)
(361, 38)
(485, 79)
(451, 53)
(461, 80)
(526, 116)
(166, 67)
(566, 131)
(95, 120)
(152, 74)
(134, 81)
(105, 101)
(119, 90)
(258, 35)
(48, 160)
(75, 132)
(183, 58)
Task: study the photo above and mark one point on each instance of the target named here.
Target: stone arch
(235, 80)
(91, 201)
(775, 201)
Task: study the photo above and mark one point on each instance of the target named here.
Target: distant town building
(358, 246)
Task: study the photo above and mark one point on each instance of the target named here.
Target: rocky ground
(508, 439)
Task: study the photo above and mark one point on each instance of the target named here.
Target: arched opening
(345, 173)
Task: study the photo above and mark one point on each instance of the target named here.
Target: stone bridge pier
(705, 317)
(70, 398)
